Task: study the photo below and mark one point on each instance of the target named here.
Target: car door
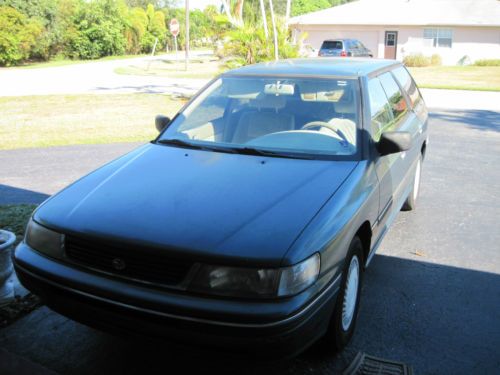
(388, 112)
(404, 120)
(380, 116)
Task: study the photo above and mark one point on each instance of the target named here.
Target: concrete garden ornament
(7, 240)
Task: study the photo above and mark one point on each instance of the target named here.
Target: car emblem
(118, 264)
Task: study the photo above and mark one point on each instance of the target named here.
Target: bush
(436, 60)
(100, 31)
(248, 45)
(18, 34)
(416, 60)
(487, 62)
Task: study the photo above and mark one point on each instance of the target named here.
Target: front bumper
(263, 328)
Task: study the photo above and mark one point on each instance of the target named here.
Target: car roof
(322, 66)
(337, 40)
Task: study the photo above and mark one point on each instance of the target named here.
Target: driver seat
(347, 110)
(265, 120)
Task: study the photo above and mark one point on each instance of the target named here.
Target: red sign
(174, 27)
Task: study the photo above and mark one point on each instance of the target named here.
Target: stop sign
(174, 27)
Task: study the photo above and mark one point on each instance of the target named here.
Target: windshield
(332, 44)
(303, 116)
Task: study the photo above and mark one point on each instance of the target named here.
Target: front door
(391, 44)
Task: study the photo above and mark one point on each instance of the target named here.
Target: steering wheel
(327, 125)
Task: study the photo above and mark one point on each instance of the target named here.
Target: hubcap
(416, 183)
(351, 293)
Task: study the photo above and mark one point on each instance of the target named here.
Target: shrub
(248, 45)
(416, 60)
(18, 34)
(436, 60)
(487, 62)
(100, 31)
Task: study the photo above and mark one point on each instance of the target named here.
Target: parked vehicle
(249, 221)
(344, 48)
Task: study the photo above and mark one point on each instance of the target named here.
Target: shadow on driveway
(14, 195)
(474, 119)
(436, 318)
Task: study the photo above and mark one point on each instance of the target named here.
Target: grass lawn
(15, 217)
(483, 78)
(40, 121)
(198, 68)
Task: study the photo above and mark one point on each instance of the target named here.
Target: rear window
(332, 44)
(408, 85)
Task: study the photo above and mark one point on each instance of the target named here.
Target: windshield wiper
(260, 152)
(182, 143)
(178, 142)
(232, 150)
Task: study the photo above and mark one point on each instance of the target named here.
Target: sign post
(174, 30)
(187, 36)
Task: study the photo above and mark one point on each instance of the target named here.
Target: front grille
(137, 264)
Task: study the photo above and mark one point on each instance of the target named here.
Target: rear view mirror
(393, 142)
(161, 122)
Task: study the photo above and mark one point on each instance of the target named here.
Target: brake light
(343, 54)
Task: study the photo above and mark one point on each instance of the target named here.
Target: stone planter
(7, 240)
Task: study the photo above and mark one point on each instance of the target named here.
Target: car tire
(343, 319)
(411, 201)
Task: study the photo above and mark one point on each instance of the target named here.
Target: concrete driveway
(431, 297)
(92, 78)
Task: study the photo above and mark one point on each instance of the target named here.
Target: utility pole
(276, 55)
(264, 18)
(186, 63)
(288, 7)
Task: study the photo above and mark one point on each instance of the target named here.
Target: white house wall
(473, 42)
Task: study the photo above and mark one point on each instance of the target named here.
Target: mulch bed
(20, 307)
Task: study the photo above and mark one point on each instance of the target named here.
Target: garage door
(368, 38)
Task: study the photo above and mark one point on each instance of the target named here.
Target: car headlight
(44, 240)
(253, 282)
(296, 278)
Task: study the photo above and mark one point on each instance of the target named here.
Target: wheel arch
(423, 149)
(364, 233)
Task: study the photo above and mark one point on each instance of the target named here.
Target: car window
(295, 115)
(210, 110)
(406, 81)
(380, 110)
(332, 44)
(395, 97)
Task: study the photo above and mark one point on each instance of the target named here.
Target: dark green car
(248, 222)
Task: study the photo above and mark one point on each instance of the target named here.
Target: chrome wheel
(350, 293)
(416, 182)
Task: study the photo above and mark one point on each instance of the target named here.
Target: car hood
(208, 206)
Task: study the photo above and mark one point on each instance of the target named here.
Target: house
(457, 30)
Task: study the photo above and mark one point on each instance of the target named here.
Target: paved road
(92, 78)
(99, 78)
(438, 311)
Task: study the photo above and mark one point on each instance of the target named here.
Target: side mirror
(394, 142)
(161, 122)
